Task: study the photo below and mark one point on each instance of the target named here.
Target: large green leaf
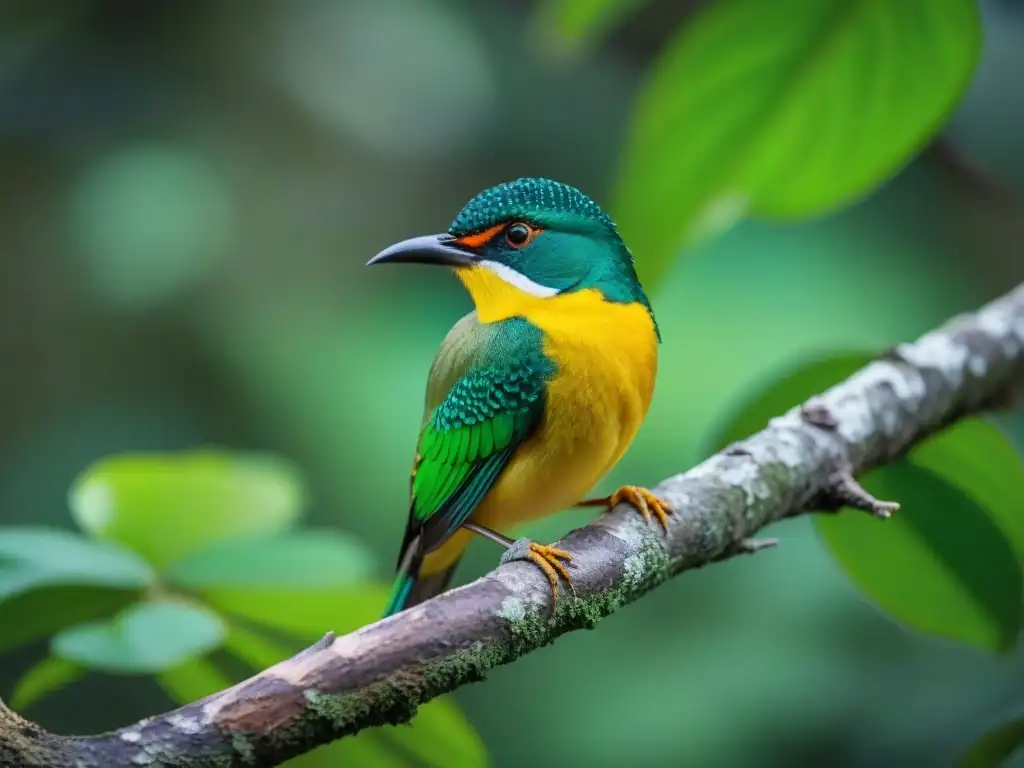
(308, 559)
(147, 638)
(304, 613)
(41, 612)
(940, 565)
(992, 749)
(788, 109)
(49, 675)
(440, 736)
(947, 563)
(978, 457)
(166, 506)
(33, 557)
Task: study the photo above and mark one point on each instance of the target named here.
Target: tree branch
(804, 460)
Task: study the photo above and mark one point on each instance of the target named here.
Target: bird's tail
(410, 590)
(400, 592)
(411, 587)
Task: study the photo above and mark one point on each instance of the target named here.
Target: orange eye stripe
(478, 239)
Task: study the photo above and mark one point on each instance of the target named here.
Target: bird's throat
(580, 316)
(497, 298)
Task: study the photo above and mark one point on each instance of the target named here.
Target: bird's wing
(485, 396)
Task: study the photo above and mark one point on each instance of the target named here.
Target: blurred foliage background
(189, 194)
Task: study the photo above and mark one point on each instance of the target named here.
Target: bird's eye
(518, 235)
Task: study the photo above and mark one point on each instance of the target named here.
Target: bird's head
(542, 237)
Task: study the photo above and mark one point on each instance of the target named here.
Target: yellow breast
(606, 354)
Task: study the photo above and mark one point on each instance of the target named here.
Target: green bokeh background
(189, 192)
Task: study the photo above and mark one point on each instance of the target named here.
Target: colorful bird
(535, 395)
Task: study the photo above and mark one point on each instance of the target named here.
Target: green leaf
(789, 109)
(948, 561)
(49, 675)
(41, 612)
(581, 22)
(440, 736)
(193, 680)
(307, 559)
(166, 506)
(306, 614)
(994, 747)
(33, 557)
(939, 565)
(980, 459)
(144, 639)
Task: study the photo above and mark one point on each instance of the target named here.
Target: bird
(535, 394)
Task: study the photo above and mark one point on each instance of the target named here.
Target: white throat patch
(519, 280)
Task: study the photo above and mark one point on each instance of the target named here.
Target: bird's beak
(428, 249)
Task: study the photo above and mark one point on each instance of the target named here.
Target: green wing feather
(485, 396)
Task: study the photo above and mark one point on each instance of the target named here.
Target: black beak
(428, 249)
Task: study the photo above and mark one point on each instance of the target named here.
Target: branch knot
(843, 490)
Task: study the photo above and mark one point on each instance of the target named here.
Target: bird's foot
(646, 503)
(548, 559)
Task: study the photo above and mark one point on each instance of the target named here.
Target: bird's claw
(645, 503)
(548, 559)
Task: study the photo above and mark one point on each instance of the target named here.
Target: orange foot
(645, 502)
(548, 559)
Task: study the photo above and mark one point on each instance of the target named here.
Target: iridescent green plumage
(485, 396)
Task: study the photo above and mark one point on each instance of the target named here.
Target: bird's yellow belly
(595, 406)
(556, 468)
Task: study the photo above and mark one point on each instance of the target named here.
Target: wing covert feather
(485, 396)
